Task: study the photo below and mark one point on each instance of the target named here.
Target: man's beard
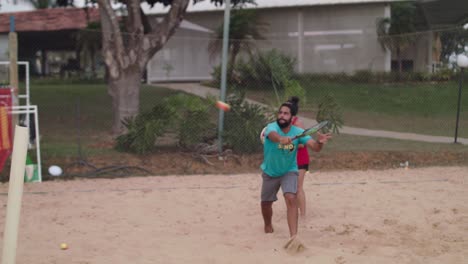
(283, 125)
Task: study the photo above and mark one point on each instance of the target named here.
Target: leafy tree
(329, 109)
(453, 41)
(245, 28)
(127, 51)
(43, 4)
(397, 33)
(88, 43)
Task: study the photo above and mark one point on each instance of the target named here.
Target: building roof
(440, 13)
(53, 19)
(260, 4)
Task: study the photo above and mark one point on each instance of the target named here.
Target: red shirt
(302, 153)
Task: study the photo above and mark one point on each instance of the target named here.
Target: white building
(325, 36)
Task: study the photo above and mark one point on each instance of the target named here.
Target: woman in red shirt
(302, 159)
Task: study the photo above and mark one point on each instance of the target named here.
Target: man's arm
(275, 137)
(316, 145)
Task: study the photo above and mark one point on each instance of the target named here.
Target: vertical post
(13, 49)
(224, 59)
(15, 193)
(13, 52)
(388, 53)
(460, 85)
(300, 41)
(430, 54)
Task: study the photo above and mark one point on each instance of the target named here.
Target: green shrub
(144, 129)
(362, 76)
(329, 109)
(294, 88)
(322, 77)
(242, 125)
(266, 70)
(192, 119)
(186, 115)
(443, 75)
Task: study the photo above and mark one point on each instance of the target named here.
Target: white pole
(38, 143)
(300, 41)
(15, 193)
(388, 52)
(224, 61)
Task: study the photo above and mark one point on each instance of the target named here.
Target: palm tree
(397, 33)
(244, 28)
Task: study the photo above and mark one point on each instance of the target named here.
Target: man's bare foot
(269, 229)
(294, 245)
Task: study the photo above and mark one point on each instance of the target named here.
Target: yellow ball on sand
(223, 106)
(63, 246)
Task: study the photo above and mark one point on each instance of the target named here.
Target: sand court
(390, 216)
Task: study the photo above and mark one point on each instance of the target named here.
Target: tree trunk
(232, 62)
(125, 93)
(400, 64)
(126, 55)
(93, 63)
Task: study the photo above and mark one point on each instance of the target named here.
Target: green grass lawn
(72, 113)
(61, 104)
(415, 107)
(343, 142)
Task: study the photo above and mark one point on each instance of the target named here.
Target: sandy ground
(392, 216)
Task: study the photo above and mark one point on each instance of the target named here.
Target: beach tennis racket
(311, 130)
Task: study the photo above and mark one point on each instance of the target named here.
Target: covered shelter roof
(50, 19)
(48, 29)
(443, 13)
(260, 4)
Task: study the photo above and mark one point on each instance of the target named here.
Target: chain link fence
(353, 78)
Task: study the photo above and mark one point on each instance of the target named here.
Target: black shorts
(303, 167)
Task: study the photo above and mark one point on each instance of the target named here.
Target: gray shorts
(271, 185)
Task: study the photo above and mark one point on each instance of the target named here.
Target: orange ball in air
(223, 106)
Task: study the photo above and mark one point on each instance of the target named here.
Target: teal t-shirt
(279, 159)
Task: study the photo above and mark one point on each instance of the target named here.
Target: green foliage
(453, 41)
(187, 115)
(243, 124)
(195, 127)
(192, 119)
(397, 33)
(267, 69)
(294, 88)
(216, 76)
(42, 4)
(245, 28)
(144, 129)
(329, 109)
(365, 76)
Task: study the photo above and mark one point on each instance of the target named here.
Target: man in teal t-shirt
(279, 166)
(280, 159)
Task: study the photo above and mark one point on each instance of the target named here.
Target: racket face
(313, 129)
(262, 135)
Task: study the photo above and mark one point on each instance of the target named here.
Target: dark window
(406, 65)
